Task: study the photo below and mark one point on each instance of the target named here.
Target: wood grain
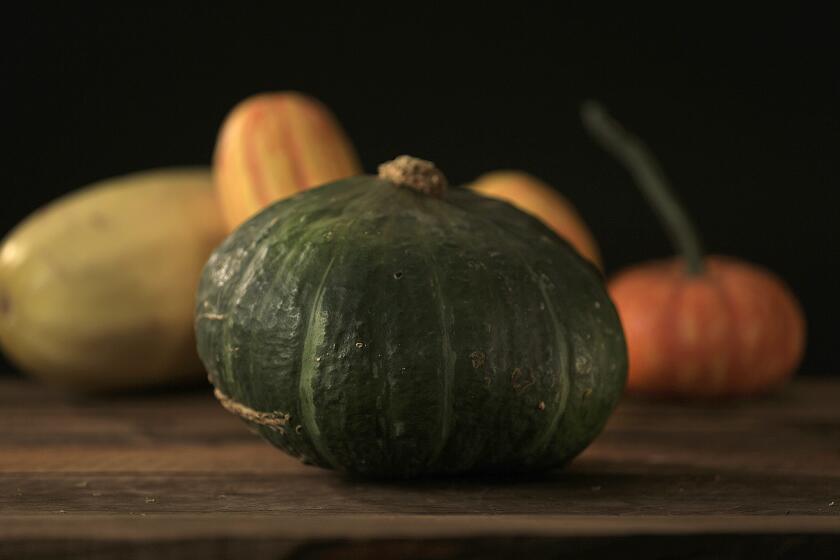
(174, 475)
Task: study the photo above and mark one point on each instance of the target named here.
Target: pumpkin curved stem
(650, 178)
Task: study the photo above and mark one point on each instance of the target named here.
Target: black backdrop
(742, 112)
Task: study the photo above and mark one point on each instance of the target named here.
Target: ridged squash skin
(97, 289)
(370, 328)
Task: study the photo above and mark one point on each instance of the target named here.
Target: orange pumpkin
(735, 329)
(697, 326)
(274, 145)
(537, 198)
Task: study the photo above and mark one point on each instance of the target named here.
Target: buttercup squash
(388, 326)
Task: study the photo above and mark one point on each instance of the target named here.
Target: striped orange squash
(274, 145)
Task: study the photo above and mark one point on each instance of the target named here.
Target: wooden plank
(386, 536)
(587, 489)
(173, 473)
(386, 525)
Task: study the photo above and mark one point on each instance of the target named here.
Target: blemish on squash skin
(477, 359)
(98, 221)
(521, 380)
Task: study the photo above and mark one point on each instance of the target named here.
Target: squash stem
(414, 173)
(650, 178)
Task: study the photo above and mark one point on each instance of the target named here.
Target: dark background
(741, 111)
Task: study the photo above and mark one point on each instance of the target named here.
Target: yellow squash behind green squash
(97, 288)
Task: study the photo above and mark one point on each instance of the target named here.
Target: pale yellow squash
(97, 288)
(537, 198)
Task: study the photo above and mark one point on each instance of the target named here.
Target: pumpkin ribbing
(405, 334)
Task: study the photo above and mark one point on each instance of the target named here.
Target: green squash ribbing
(371, 328)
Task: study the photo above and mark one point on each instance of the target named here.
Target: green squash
(385, 331)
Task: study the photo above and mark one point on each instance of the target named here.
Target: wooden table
(175, 476)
